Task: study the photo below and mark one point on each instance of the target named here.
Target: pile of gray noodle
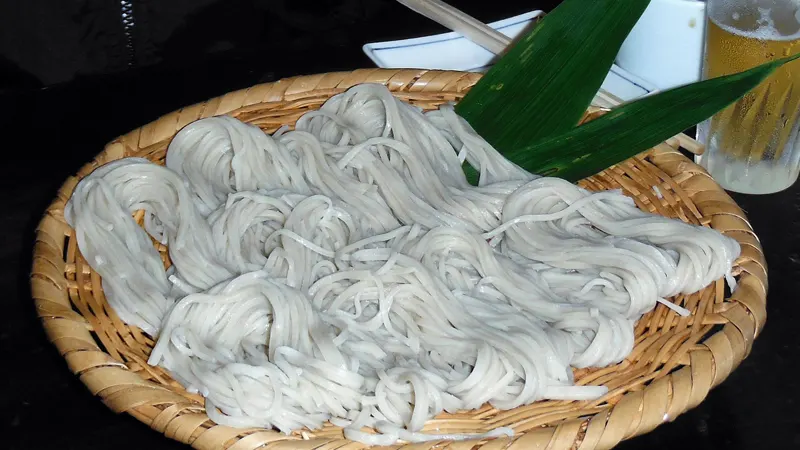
(345, 271)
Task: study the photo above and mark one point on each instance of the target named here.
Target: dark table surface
(50, 129)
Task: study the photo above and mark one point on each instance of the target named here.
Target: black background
(74, 74)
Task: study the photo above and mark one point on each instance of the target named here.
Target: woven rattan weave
(676, 360)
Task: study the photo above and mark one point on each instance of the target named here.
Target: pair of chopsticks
(481, 34)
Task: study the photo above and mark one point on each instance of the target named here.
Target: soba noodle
(346, 270)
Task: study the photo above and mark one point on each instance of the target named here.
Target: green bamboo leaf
(632, 128)
(545, 82)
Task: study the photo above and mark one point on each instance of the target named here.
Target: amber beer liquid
(752, 146)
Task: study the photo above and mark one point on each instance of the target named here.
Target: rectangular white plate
(451, 51)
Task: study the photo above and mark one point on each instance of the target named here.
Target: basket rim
(739, 318)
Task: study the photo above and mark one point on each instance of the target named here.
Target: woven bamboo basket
(675, 362)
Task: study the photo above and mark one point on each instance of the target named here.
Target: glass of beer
(752, 146)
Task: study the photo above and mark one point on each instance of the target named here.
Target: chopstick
(460, 22)
(481, 34)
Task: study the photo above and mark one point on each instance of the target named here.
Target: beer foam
(767, 29)
(762, 33)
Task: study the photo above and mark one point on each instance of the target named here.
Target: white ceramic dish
(451, 51)
(666, 45)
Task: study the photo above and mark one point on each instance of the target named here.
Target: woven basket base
(675, 362)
